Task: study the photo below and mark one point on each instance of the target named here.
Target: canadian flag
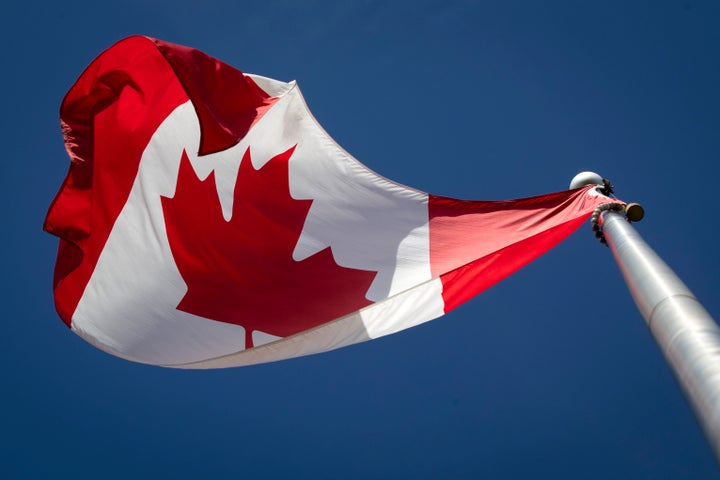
(207, 220)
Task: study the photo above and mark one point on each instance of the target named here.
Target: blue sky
(550, 374)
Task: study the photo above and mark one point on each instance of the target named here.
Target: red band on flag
(475, 244)
(108, 117)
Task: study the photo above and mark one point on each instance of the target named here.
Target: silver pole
(685, 332)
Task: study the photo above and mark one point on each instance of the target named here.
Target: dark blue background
(550, 374)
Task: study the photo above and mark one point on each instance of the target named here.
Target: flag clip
(597, 229)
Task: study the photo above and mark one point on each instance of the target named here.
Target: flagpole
(687, 335)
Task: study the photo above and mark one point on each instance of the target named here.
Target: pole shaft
(685, 332)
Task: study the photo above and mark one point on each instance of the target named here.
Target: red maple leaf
(242, 271)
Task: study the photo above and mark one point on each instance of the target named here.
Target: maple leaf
(241, 271)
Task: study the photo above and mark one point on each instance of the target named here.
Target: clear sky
(550, 374)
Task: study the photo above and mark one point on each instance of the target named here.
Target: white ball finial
(585, 178)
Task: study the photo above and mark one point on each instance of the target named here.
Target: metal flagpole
(685, 332)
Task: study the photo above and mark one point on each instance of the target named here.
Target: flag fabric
(207, 220)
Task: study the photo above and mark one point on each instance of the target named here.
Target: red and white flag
(208, 220)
